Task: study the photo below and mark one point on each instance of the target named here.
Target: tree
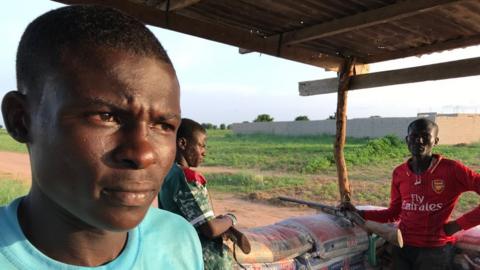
(302, 118)
(222, 126)
(263, 118)
(207, 125)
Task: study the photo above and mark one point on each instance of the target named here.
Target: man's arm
(451, 227)
(392, 213)
(470, 181)
(216, 227)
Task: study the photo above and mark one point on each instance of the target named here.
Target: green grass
(314, 154)
(248, 182)
(310, 154)
(11, 189)
(297, 166)
(7, 143)
(467, 201)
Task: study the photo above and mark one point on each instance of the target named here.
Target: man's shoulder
(160, 221)
(401, 169)
(174, 172)
(449, 162)
(194, 177)
(453, 167)
(167, 235)
(8, 214)
(173, 179)
(12, 240)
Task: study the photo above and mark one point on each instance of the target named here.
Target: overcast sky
(221, 86)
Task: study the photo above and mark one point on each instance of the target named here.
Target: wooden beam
(219, 33)
(447, 70)
(370, 18)
(177, 4)
(345, 75)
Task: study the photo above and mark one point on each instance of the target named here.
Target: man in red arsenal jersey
(424, 192)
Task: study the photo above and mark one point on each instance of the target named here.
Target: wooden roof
(318, 32)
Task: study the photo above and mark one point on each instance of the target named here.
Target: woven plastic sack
(333, 236)
(289, 264)
(469, 240)
(310, 261)
(273, 243)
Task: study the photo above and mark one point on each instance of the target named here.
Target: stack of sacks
(289, 264)
(348, 261)
(468, 245)
(339, 244)
(273, 246)
(333, 236)
(316, 242)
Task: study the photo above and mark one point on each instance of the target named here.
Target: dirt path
(15, 165)
(249, 214)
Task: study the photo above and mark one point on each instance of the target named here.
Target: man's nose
(136, 151)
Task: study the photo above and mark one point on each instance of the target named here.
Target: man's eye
(167, 126)
(106, 117)
(163, 126)
(103, 117)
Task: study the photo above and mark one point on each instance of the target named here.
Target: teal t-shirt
(161, 241)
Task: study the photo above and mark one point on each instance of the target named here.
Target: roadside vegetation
(261, 167)
(314, 154)
(11, 189)
(9, 144)
(266, 166)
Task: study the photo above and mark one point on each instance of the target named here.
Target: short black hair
(423, 122)
(76, 28)
(188, 128)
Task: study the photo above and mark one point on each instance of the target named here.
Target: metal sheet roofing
(318, 32)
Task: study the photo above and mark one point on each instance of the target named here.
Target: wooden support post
(344, 76)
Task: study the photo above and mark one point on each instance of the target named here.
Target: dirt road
(249, 214)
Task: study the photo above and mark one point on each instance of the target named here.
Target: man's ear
(436, 141)
(182, 143)
(15, 115)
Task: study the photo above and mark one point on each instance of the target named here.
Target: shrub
(302, 118)
(263, 118)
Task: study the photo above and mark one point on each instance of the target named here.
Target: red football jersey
(423, 203)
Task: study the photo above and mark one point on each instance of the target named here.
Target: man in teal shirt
(98, 107)
(161, 241)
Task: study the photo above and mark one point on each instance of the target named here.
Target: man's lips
(419, 147)
(128, 197)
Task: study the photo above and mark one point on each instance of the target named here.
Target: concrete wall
(454, 129)
(459, 128)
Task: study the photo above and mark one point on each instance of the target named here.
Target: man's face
(195, 149)
(421, 139)
(103, 137)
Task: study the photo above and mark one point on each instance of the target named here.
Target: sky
(219, 85)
